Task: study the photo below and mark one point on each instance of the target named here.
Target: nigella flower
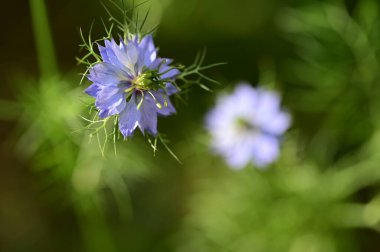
(246, 126)
(133, 83)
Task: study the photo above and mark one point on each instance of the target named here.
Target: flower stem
(43, 39)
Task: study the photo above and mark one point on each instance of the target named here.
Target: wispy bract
(246, 126)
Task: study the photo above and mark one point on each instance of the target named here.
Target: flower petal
(131, 54)
(112, 50)
(113, 107)
(168, 74)
(269, 117)
(148, 51)
(155, 64)
(110, 101)
(129, 118)
(239, 151)
(122, 56)
(93, 90)
(106, 74)
(148, 119)
(171, 89)
(266, 150)
(278, 125)
(164, 102)
(104, 54)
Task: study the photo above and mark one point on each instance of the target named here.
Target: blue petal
(93, 90)
(238, 152)
(110, 46)
(163, 100)
(107, 74)
(148, 44)
(171, 89)
(110, 101)
(266, 150)
(269, 116)
(148, 52)
(244, 101)
(148, 119)
(158, 63)
(155, 64)
(103, 53)
(132, 51)
(115, 106)
(106, 93)
(131, 54)
(278, 125)
(129, 118)
(117, 54)
(168, 74)
(171, 74)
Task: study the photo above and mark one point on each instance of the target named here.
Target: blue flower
(133, 83)
(246, 126)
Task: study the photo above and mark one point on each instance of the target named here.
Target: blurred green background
(58, 193)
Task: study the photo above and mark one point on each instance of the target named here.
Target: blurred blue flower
(246, 126)
(133, 83)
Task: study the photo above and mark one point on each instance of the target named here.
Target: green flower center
(144, 81)
(245, 125)
(149, 80)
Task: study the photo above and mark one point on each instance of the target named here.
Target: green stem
(44, 42)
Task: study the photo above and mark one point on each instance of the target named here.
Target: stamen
(165, 101)
(154, 98)
(128, 89)
(141, 101)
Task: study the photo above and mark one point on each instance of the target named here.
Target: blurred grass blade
(44, 42)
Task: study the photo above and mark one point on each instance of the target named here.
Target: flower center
(244, 125)
(143, 81)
